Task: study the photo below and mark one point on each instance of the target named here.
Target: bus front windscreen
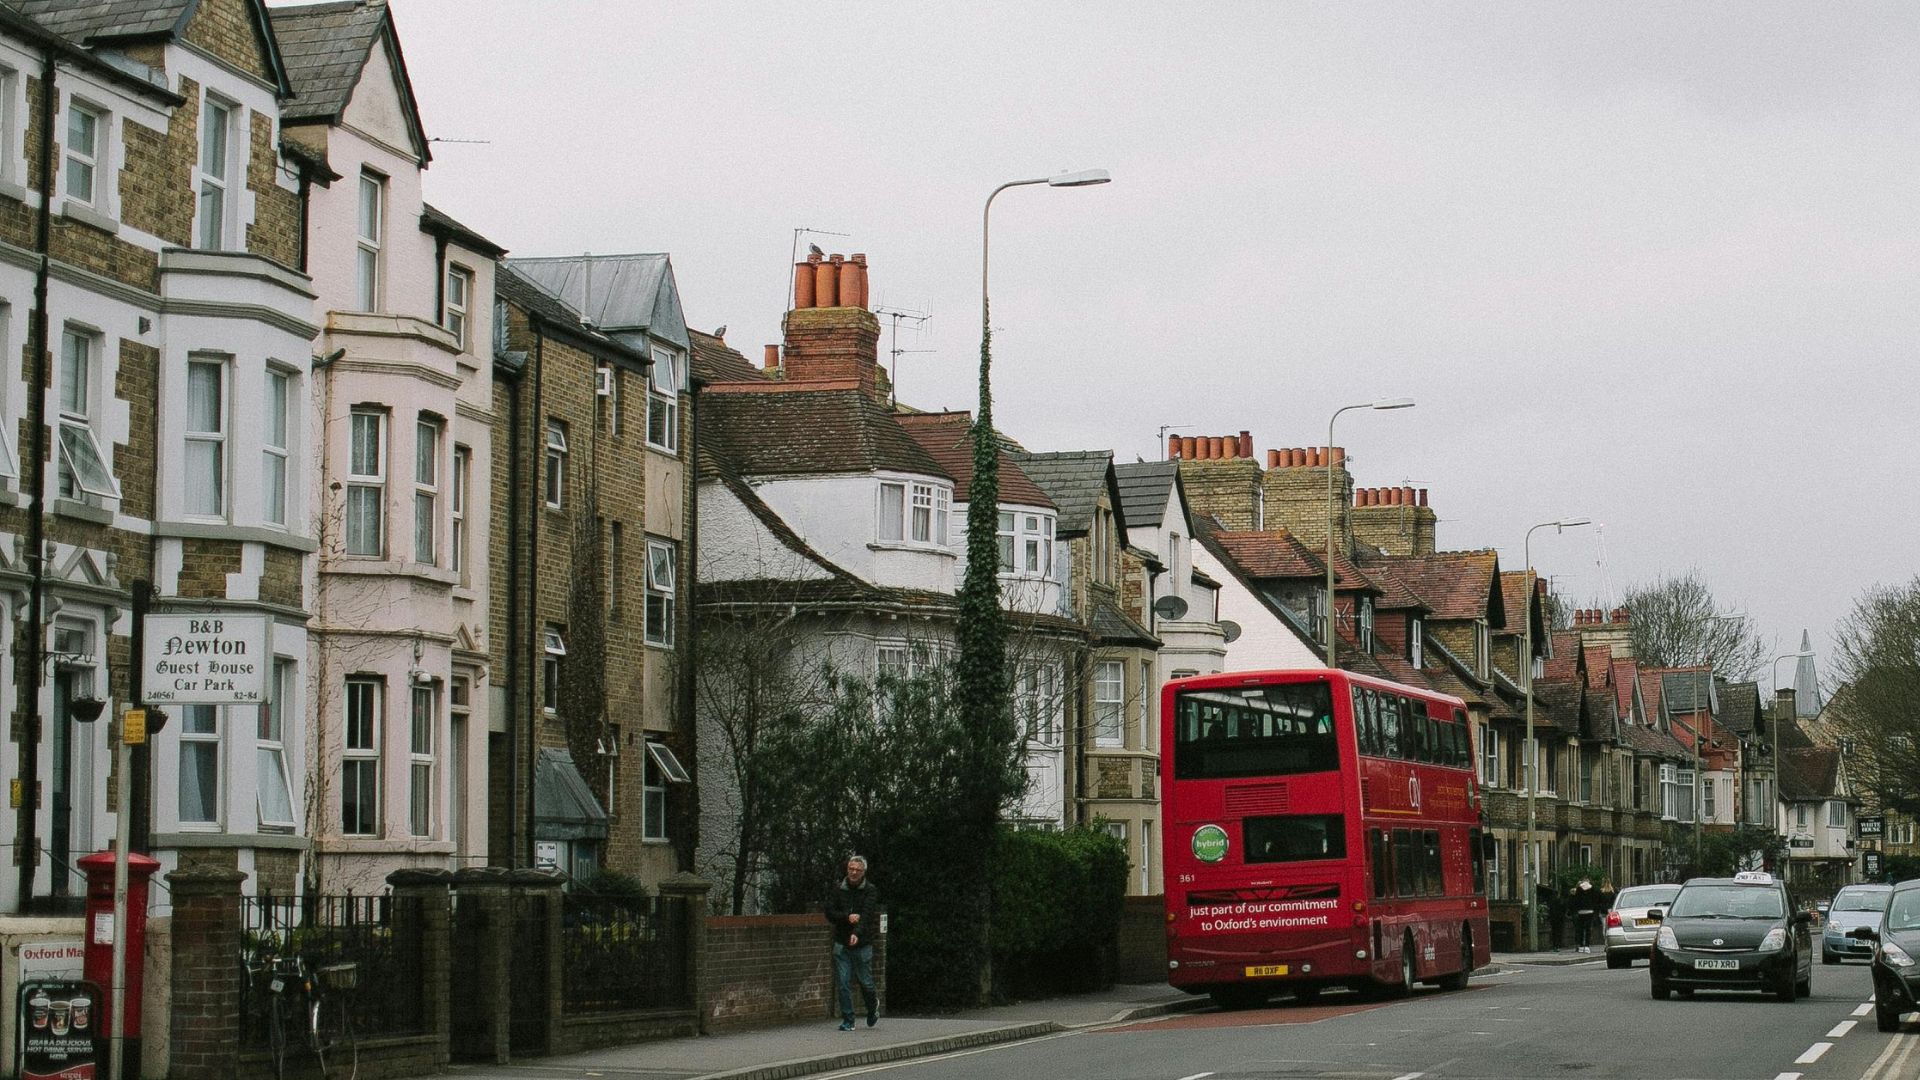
(1233, 732)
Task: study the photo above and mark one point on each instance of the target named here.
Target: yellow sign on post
(133, 727)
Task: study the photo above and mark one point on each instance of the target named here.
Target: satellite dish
(1231, 629)
(1170, 607)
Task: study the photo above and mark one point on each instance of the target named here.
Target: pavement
(812, 1047)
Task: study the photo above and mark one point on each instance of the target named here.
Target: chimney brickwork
(1398, 521)
(1296, 495)
(1221, 478)
(831, 336)
(1609, 628)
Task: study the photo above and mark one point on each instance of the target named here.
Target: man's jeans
(848, 964)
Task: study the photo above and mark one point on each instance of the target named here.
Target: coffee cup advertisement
(57, 1039)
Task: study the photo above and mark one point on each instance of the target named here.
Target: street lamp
(1533, 752)
(1390, 403)
(982, 653)
(1699, 778)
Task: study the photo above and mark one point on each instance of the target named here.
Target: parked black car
(1737, 933)
(1896, 976)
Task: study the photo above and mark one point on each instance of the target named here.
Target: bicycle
(314, 1002)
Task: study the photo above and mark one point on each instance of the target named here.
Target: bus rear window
(1294, 838)
(1257, 731)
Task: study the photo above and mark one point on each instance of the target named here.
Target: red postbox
(99, 933)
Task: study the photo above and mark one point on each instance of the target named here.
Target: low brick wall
(384, 1058)
(596, 1031)
(1142, 953)
(772, 969)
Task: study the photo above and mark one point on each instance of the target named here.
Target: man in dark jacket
(853, 908)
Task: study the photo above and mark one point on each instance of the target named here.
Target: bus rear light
(1359, 906)
(1359, 922)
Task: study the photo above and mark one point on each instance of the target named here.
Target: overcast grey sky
(1657, 265)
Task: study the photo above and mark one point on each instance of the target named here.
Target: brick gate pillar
(422, 910)
(485, 902)
(204, 1029)
(693, 889)
(543, 886)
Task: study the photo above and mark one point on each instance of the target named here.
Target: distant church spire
(1806, 685)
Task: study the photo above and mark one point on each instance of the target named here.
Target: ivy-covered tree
(1877, 656)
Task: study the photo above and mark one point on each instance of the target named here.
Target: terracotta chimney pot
(826, 283)
(859, 259)
(1423, 496)
(803, 284)
(1339, 455)
(1273, 459)
(1216, 446)
(1187, 451)
(773, 358)
(1246, 444)
(849, 283)
(1406, 496)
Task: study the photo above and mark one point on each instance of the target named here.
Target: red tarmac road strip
(1267, 1017)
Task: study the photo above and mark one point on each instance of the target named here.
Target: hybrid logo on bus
(1210, 843)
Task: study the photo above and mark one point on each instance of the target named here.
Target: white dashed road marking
(1197, 1076)
(1788, 1076)
(1410, 1076)
(1813, 1054)
(1840, 1029)
(1863, 1010)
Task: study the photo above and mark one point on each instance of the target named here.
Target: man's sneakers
(873, 1015)
(846, 1025)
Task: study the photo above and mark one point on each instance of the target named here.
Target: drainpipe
(440, 281)
(534, 523)
(514, 683)
(689, 660)
(306, 214)
(27, 838)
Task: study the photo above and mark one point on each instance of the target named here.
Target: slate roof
(437, 222)
(1685, 691)
(1073, 478)
(714, 361)
(1144, 489)
(83, 20)
(785, 430)
(528, 295)
(1740, 706)
(1455, 584)
(1111, 626)
(1811, 774)
(625, 288)
(1277, 553)
(1601, 722)
(948, 438)
(325, 47)
(1559, 703)
(563, 805)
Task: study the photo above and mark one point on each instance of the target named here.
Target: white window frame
(922, 518)
(1366, 624)
(456, 315)
(1800, 815)
(423, 735)
(80, 446)
(93, 158)
(1900, 833)
(10, 141)
(1146, 858)
(427, 431)
(202, 742)
(556, 464)
(276, 457)
(665, 399)
(663, 574)
(661, 768)
(362, 482)
(215, 176)
(9, 465)
(1489, 757)
(370, 239)
(1417, 642)
(1709, 798)
(1027, 544)
(554, 653)
(270, 748)
(1041, 702)
(1142, 705)
(1109, 703)
(362, 757)
(1482, 646)
(457, 537)
(213, 441)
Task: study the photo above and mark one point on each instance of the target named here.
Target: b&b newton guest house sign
(207, 659)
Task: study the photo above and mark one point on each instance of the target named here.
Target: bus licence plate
(1255, 972)
(1717, 965)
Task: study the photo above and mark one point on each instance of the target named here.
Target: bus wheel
(1458, 980)
(1406, 968)
(1307, 993)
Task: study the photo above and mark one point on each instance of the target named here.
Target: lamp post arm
(1333, 634)
(985, 217)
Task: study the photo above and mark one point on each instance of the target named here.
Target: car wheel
(1618, 961)
(1789, 989)
(1660, 991)
(1686, 993)
(1886, 1015)
(1828, 958)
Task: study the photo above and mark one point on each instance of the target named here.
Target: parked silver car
(1630, 932)
(1853, 906)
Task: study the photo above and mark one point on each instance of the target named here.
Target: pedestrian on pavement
(853, 908)
(1584, 902)
(1608, 895)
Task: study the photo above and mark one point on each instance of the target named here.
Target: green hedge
(1056, 898)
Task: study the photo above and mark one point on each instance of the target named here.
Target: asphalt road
(1518, 1023)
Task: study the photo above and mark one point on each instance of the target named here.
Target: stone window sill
(12, 190)
(87, 215)
(99, 515)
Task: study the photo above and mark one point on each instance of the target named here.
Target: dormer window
(1416, 642)
(913, 513)
(1366, 624)
(1482, 647)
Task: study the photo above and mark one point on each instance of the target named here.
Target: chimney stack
(830, 333)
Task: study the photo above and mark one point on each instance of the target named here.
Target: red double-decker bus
(1322, 828)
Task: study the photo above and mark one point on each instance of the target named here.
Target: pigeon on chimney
(721, 332)
(814, 249)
